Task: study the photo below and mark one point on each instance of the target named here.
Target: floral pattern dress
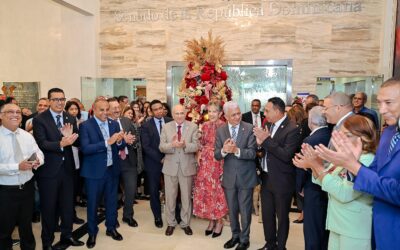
(209, 198)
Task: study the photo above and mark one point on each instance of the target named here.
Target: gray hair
(229, 106)
(340, 98)
(316, 116)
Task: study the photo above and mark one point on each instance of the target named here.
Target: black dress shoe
(243, 246)
(130, 221)
(169, 231)
(208, 232)
(187, 230)
(114, 234)
(78, 220)
(158, 222)
(231, 243)
(91, 241)
(298, 221)
(36, 217)
(267, 247)
(71, 242)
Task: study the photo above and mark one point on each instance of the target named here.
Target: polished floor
(147, 236)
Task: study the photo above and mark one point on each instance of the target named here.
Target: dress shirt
(122, 129)
(54, 115)
(9, 168)
(257, 119)
(105, 126)
(157, 122)
(237, 134)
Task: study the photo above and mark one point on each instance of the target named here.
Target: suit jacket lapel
(240, 134)
(385, 154)
(96, 127)
(281, 127)
(51, 122)
(227, 133)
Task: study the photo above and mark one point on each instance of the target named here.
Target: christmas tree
(204, 78)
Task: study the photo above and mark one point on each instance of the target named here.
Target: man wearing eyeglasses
(337, 107)
(19, 154)
(359, 100)
(55, 132)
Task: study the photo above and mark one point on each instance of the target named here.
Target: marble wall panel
(321, 44)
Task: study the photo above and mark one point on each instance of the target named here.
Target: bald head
(179, 113)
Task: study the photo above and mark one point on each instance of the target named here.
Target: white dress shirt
(256, 119)
(9, 168)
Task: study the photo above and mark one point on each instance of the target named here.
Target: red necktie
(179, 133)
(122, 154)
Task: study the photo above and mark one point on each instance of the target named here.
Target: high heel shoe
(208, 232)
(215, 234)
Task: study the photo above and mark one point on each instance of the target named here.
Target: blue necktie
(394, 141)
(58, 123)
(106, 137)
(234, 135)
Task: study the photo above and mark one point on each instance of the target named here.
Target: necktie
(179, 132)
(394, 141)
(58, 123)
(18, 155)
(106, 137)
(234, 135)
(160, 121)
(271, 129)
(256, 120)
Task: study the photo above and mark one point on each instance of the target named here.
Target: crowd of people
(327, 156)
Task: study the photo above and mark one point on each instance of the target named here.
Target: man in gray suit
(236, 145)
(179, 143)
(128, 161)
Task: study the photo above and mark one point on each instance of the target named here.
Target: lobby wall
(44, 41)
(324, 38)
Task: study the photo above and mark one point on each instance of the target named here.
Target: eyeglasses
(58, 99)
(358, 98)
(12, 112)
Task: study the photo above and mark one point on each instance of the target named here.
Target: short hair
(256, 100)
(314, 98)
(230, 105)
(394, 81)
(364, 96)
(216, 104)
(277, 103)
(363, 128)
(317, 117)
(54, 90)
(121, 98)
(340, 98)
(69, 104)
(154, 102)
(7, 104)
(112, 99)
(43, 98)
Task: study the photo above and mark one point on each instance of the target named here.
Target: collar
(6, 131)
(230, 126)
(279, 122)
(344, 117)
(182, 124)
(315, 130)
(54, 114)
(99, 122)
(256, 114)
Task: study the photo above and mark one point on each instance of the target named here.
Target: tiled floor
(147, 236)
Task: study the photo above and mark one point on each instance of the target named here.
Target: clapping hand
(308, 158)
(261, 134)
(115, 138)
(67, 129)
(68, 140)
(229, 146)
(176, 143)
(346, 154)
(129, 138)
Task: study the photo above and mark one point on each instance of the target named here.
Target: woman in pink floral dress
(209, 199)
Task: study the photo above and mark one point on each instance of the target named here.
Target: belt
(20, 186)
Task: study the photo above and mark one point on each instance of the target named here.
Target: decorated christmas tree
(204, 78)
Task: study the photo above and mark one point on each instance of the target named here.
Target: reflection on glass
(247, 82)
(109, 87)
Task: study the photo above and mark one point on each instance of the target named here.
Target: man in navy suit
(153, 158)
(101, 140)
(55, 131)
(315, 200)
(254, 116)
(382, 178)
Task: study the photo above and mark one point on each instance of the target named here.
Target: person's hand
(67, 129)
(227, 147)
(25, 165)
(68, 140)
(116, 137)
(129, 138)
(261, 134)
(346, 154)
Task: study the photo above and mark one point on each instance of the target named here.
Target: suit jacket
(248, 117)
(128, 126)
(382, 180)
(150, 145)
(280, 152)
(183, 158)
(94, 150)
(48, 138)
(238, 171)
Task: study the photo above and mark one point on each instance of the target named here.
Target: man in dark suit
(55, 131)
(101, 140)
(153, 158)
(128, 161)
(280, 142)
(315, 200)
(254, 116)
(236, 145)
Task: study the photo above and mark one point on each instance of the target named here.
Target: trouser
(342, 242)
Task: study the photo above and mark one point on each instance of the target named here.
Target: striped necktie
(394, 141)
(233, 131)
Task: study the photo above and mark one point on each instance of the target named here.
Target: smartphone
(32, 158)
